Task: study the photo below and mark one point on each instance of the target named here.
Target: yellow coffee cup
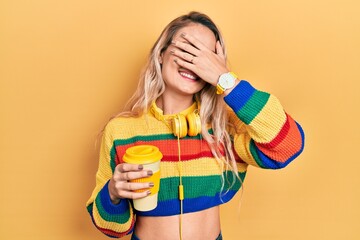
(149, 156)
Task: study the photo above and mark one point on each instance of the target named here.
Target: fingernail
(151, 184)
(175, 60)
(173, 42)
(149, 173)
(148, 192)
(140, 167)
(172, 51)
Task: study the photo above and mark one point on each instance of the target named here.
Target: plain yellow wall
(67, 66)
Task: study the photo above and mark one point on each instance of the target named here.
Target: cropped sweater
(264, 136)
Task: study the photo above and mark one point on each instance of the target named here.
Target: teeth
(188, 75)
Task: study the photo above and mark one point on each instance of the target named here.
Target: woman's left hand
(195, 56)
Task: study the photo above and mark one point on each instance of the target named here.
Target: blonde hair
(213, 110)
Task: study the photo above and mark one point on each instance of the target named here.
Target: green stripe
(253, 106)
(194, 186)
(254, 154)
(90, 208)
(112, 158)
(119, 218)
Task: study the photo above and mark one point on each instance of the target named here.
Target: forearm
(272, 137)
(114, 220)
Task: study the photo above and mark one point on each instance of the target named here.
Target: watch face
(227, 80)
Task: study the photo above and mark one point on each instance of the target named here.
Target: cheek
(203, 84)
(169, 68)
(168, 58)
(168, 63)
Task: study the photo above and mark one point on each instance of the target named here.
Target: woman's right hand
(120, 186)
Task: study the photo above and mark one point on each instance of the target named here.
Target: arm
(114, 220)
(272, 138)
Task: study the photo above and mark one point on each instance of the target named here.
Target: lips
(188, 74)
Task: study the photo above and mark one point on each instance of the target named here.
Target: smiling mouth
(189, 75)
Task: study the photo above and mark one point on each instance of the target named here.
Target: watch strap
(219, 88)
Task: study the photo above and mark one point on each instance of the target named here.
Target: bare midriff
(195, 226)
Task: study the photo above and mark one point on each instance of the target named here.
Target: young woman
(230, 125)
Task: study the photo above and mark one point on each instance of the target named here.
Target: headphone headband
(186, 122)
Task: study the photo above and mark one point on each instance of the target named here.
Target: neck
(173, 105)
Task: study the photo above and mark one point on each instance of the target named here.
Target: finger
(185, 64)
(127, 176)
(126, 167)
(186, 47)
(219, 49)
(194, 41)
(184, 55)
(132, 186)
(134, 195)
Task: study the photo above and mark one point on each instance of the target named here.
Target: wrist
(228, 91)
(114, 199)
(226, 82)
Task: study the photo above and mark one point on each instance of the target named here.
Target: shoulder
(235, 125)
(121, 123)
(127, 127)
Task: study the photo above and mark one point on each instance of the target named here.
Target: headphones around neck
(182, 124)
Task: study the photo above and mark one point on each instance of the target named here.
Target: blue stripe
(255, 154)
(240, 95)
(90, 208)
(172, 207)
(108, 206)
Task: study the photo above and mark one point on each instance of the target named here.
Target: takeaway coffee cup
(149, 156)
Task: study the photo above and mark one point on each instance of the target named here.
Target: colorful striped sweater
(264, 136)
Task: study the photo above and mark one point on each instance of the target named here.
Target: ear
(219, 49)
(160, 58)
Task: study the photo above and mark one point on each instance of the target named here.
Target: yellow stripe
(104, 172)
(263, 131)
(242, 147)
(123, 128)
(113, 226)
(242, 167)
(199, 167)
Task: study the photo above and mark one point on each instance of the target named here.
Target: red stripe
(169, 149)
(175, 158)
(281, 135)
(117, 234)
(289, 145)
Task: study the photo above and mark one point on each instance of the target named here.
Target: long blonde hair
(213, 110)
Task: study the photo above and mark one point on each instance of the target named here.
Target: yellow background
(67, 66)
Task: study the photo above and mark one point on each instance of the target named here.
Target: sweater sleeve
(272, 138)
(113, 220)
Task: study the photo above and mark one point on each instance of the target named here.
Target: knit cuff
(103, 201)
(246, 101)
